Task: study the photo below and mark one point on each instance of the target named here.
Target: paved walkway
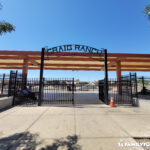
(86, 127)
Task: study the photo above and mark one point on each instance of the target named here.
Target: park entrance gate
(62, 91)
(53, 91)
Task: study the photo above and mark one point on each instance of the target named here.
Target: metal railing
(4, 84)
(86, 87)
(54, 91)
(120, 91)
(123, 91)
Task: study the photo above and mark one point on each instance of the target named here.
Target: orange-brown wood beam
(33, 62)
(64, 65)
(71, 58)
(77, 65)
(90, 69)
(136, 60)
(6, 52)
(24, 73)
(54, 58)
(25, 68)
(118, 70)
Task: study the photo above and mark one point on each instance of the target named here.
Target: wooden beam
(88, 69)
(6, 52)
(118, 70)
(136, 60)
(55, 64)
(136, 66)
(34, 62)
(72, 66)
(73, 59)
(54, 58)
(77, 65)
(63, 58)
(25, 68)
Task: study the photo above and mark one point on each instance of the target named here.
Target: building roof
(74, 61)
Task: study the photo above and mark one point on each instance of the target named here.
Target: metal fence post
(99, 89)
(106, 78)
(131, 88)
(136, 90)
(9, 88)
(73, 88)
(3, 81)
(41, 77)
(143, 85)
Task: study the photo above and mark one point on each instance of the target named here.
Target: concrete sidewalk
(86, 127)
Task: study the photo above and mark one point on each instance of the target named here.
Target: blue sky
(120, 26)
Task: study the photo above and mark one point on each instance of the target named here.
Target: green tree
(147, 11)
(5, 26)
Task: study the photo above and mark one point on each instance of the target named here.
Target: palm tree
(5, 26)
(147, 11)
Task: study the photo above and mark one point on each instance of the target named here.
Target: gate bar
(73, 88)
(9, 88)
(3, 83)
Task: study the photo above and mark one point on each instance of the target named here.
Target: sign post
(41, 76)
(106, 78)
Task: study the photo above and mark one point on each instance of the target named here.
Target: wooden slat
(77, 65)
(13, 52)
(88, 69)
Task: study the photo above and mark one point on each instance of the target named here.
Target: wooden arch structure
(30, 60)
(78, 61)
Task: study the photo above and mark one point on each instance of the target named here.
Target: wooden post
(24, 72)
(118, 71)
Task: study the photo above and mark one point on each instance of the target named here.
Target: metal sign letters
(73, 48)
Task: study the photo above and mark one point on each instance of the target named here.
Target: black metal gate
(101, 90)
(58, 91)
(4, 84)
(26, 91)
(54, 91)
(12, 83)
(122, 92)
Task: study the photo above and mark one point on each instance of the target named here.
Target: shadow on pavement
(30, 141)
(25, 140)
(70, 143)
(6, 108)
(144, 97)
